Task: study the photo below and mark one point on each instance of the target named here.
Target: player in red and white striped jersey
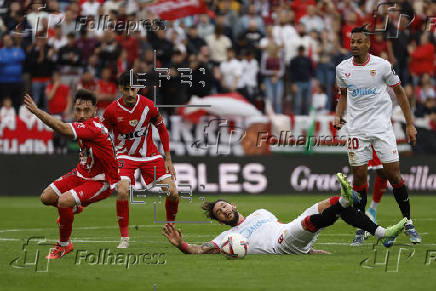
(95, 176)
(130, 119)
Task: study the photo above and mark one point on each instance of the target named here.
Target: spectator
(112, 5)
(106, 89)
(36, 16)
(421, 58)
(201, 76)
(109, 50)
(69, 61)
(231, 73)
(90, 8)
(130, 44)
(41, 65)
(301, 71)
(312, 21)
(194, 41)
(272, 68)
(204, 27)
(164, 48)
(69, 23)
(244, 22)
(58, 40)
(250, 38)
(218, 45)
(426, 89)
(251, 70)
(325, 74)
(59, 97)
(87, 81)
(300, 8)
(7, 112)
(86, 46)
(285, 29)
(11, 66)
(319, 99)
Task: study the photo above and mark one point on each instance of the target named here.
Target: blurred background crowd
(278, 50)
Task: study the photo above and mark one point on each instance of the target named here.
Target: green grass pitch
(96, 228)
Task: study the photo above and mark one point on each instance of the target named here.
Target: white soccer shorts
(295, 239)
(360, 151)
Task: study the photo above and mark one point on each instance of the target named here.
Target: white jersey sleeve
(391, 78)
(339, 81)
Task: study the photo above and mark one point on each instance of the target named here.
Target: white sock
(380, 232)
(374, 205)
(409, 221)
(64, 243)
(344, 202)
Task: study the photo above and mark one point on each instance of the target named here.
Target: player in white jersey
(363, 81)
(267, 235)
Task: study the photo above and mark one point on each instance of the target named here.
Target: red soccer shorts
(375, 163)
(127, 167)
(84, 191)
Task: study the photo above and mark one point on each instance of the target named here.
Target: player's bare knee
(123, 190)
(66, 200)
(49, 197)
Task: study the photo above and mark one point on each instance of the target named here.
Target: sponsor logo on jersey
(133, 122)
(347, 75)
(120, 118)
(372, 73)
(361, 91)
(132, 135)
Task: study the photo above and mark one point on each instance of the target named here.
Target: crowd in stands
(278, 50)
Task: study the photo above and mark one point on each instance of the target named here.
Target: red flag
(175, 9)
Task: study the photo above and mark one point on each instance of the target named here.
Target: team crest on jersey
(120, 118)
(347, 75)
(372, 73)
(133, 122)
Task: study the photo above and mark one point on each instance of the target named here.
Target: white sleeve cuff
(74, 130)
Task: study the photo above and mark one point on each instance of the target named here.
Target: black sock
(362, 190)
(327, 217)
(357, 218)
(402, 198)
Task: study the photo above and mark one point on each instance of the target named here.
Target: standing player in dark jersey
(95, 176)
(130, 119)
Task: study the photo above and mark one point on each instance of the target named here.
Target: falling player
(95, 176)
(266, 235)
(363, 81)
(129, 119)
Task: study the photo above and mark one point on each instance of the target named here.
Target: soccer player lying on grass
(266, 235)
(94, 177)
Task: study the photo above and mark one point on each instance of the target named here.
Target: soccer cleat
(347, 191)
(411, 232)
(392, 232)
(76, 210)
(124, 243)
(358, 238)
(59, 251)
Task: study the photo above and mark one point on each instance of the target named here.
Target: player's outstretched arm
(165, 139)
(405, 107)
(52, 122)
(175, 238)
(340, 108)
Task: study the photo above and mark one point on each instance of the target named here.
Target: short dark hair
(361, 29)
(85, 95)
(124, 79)
(208, 208)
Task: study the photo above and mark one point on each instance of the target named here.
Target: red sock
(66, 218)
(380, 185)
(123, 217)
(171, 208)
(334, 200)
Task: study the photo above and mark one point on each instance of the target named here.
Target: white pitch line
(365, 244)
(83, 227)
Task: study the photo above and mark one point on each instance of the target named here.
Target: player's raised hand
(170, 168)
(29, 103)
(411, 134)
(174, 236)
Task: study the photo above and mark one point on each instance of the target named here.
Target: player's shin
(402, 198)
(357, 218)
(123, 217)
(328, 217)
(171, 207)
(362, 190)
(66, 218)
(380, 185)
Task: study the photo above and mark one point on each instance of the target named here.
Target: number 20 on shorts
(353, 143)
